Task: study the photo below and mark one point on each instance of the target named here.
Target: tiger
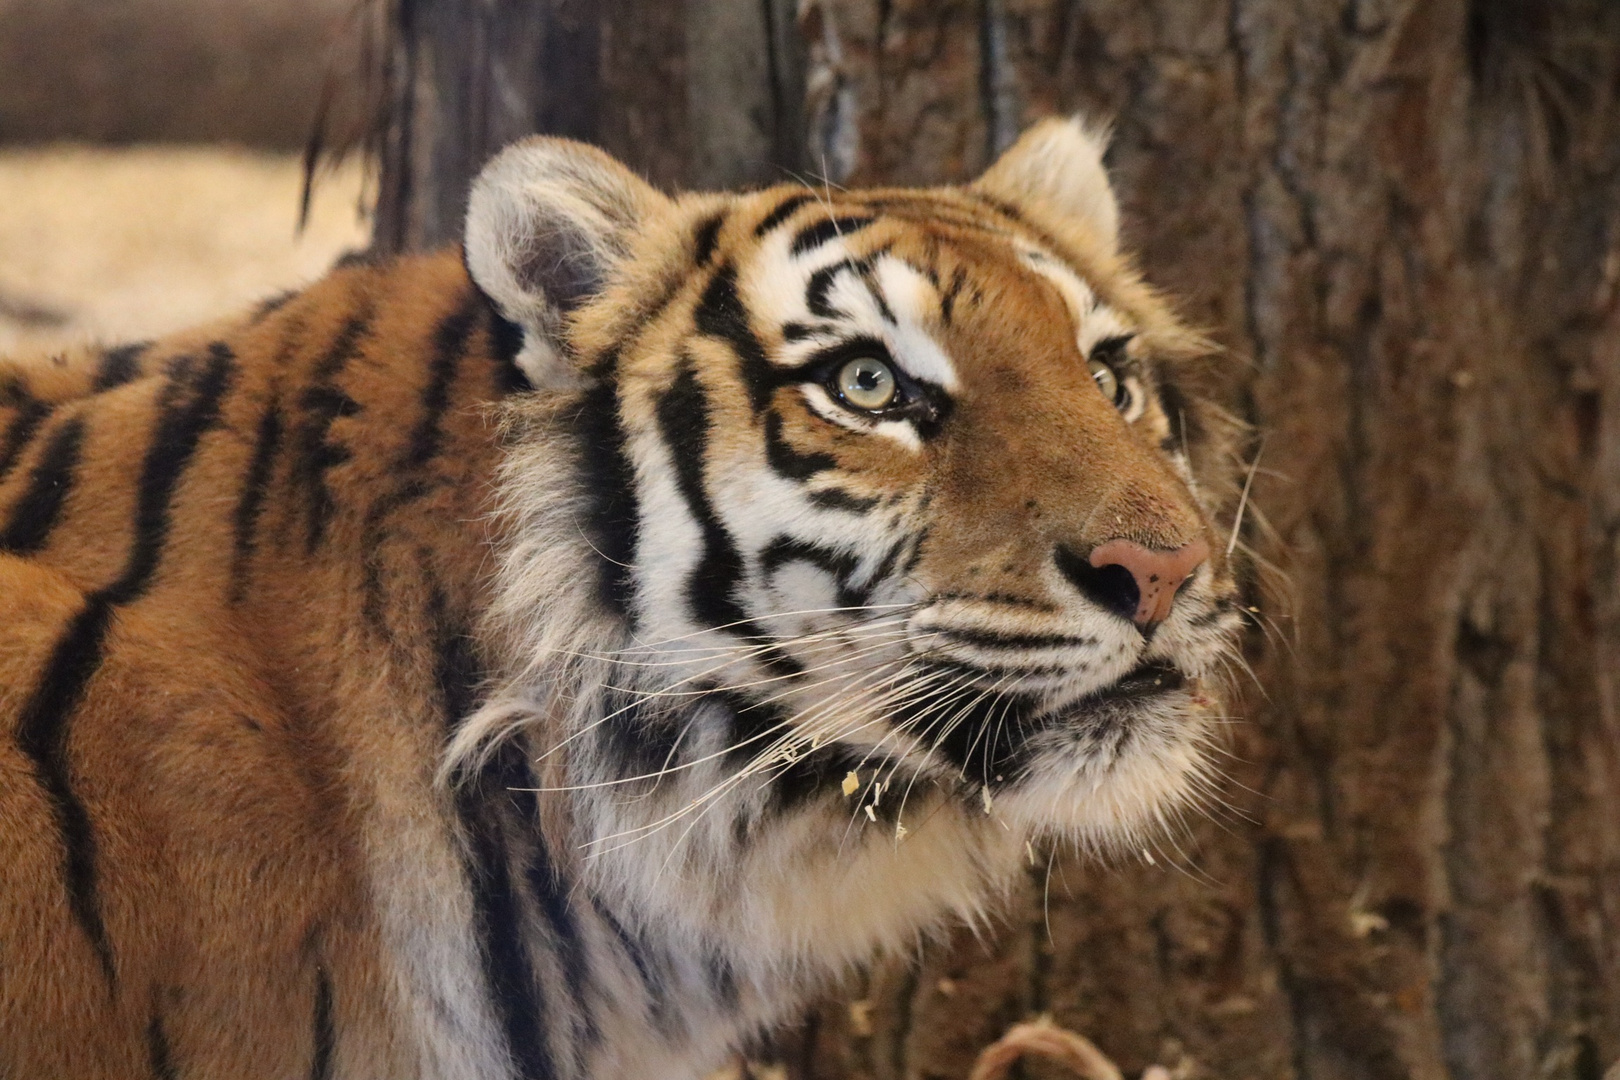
(566, 654)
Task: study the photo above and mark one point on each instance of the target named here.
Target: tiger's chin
(1115, 769)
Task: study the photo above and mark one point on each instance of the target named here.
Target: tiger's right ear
(547, 221)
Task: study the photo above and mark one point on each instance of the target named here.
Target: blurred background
(1400, 219)
(151, 159)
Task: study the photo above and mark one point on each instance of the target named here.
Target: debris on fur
(1067, 1048)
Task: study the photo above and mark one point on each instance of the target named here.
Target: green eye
(866, 383)
(1107, 381)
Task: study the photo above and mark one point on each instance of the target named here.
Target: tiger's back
(197, 540)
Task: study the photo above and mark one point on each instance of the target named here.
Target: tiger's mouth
(1139, 685)
(1146, 689)
(993, 732)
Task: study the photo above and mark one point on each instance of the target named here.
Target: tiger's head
(872, 498)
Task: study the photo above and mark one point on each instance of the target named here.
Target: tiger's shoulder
(314, 399)
(213, 546)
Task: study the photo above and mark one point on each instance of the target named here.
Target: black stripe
(813, 774)
(705, 237)
(651, 970)
(1008, 599)
(456, 668)
(274, 304)
(42, 735)
(785, 460)
(325, 1034)
(508, 970)
(157, 1049)
(870, 279)
(816, 775)
(885, 567)
(722, 980)
(784, 210)
(797, 465)
(449, 346)
(683, 419)
(31, 412)
(841, 565)
(832, 498)
(926, 207)
(497, 906)
(119, 366)
(43, 728)
(1186, 419)
(322, 402)
(947, 299)
(505, 342)
(720, 313)
(821, 283)
(37, 511)
(983, 728)
(817, 233)
(1015, 215)
(609, 482)
(255, 486)
(1001, 206)
(422, 446)
(638, 740)
(751, 725)
(992, 639)
(179, 429)
(551, 892)
(915, 557)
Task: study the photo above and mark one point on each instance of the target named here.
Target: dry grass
(122, 244)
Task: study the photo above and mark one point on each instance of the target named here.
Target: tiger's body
(553, 663)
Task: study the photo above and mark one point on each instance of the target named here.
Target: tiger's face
(910, 483)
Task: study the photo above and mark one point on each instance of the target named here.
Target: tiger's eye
(1107, 381)
(866, 383)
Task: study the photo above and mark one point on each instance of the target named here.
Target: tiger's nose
(1137, 582)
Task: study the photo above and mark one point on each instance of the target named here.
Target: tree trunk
(1402, 217)
(465, 77)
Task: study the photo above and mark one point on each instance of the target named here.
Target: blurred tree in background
(1402, 218)
(189, 71)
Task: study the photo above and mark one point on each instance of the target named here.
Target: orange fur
(216, 749)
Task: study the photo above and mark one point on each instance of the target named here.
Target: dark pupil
(866, 378)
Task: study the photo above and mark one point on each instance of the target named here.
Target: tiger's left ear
(548, 220)
(1057, 165)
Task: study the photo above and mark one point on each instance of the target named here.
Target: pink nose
(1158, 574)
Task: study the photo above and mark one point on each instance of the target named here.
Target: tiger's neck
(684, 912)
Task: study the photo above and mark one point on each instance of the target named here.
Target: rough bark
(465, 77)
(1402, 217)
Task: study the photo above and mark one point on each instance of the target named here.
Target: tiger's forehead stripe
(1096, 321)
(838, 278)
